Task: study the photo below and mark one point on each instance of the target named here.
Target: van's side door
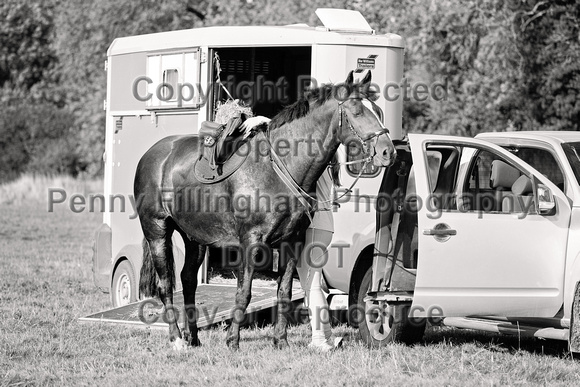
(486, 248)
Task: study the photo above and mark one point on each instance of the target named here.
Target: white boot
(322, 337)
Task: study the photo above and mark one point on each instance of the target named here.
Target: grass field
(46, 285)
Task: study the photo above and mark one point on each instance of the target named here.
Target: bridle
(361, 140)
(289, 180)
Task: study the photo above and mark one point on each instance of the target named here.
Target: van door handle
(441, 232)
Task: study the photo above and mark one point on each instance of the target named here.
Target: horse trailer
(169, 83)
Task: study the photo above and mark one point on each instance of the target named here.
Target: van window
(495, 185)
(543, 161)
(434, 158)
(474, 179)
(572, 150)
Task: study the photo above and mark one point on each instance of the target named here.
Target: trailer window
(174, 80)
(170, 78)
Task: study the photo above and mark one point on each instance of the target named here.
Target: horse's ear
(349, 78)
(367, 78)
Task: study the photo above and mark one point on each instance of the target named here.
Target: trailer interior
(264, 78)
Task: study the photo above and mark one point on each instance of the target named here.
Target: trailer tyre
(383, 323)
(124, 286)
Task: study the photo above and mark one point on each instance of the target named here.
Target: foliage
(38, 139)
(84, 31)
(508, 65)
(549, 44)
(13, 141)
(26, 60)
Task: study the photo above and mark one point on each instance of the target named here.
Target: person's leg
(314, 257)
(318, 310)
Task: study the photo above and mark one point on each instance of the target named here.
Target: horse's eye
(373, 96)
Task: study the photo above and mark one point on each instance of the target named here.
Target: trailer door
(488, 245)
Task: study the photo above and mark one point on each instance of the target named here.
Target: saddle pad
(206, 175)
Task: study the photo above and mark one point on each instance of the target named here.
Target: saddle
(223, 150)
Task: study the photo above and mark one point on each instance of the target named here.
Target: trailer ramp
(214, 305)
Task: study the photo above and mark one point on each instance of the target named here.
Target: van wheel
(124, 287)
(383, 323)
(574, 338)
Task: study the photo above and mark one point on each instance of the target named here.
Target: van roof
(511, 138)
(249, 36)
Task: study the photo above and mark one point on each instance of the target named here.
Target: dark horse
(305, 136)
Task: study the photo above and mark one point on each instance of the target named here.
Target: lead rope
(218, 70)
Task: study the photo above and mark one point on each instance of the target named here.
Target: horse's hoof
(232, 345)
(179, 345)
(191, 341)
(194, 342)
(281, 344)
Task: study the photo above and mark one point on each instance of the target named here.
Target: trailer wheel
(383, 323)
(124, 286)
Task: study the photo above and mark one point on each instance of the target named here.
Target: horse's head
(359, 122)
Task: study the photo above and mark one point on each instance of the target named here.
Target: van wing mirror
(546, 200)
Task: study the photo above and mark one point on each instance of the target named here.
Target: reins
(304, 197)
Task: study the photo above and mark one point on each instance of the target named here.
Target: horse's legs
(284, 304)
(161, 249)
(243, 295)
(194, 255)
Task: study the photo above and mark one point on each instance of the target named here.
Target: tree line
(507, 64)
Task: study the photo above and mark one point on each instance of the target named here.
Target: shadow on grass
(496, 342)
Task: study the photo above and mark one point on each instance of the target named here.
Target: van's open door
(485, 249)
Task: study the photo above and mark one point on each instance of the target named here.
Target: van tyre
(124, 286)
(383, 324)
(574, 339)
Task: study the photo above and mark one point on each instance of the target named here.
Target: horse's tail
(148, 281)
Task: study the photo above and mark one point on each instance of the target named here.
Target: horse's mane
(301, 107)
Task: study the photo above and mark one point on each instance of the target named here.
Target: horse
(308, 133)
